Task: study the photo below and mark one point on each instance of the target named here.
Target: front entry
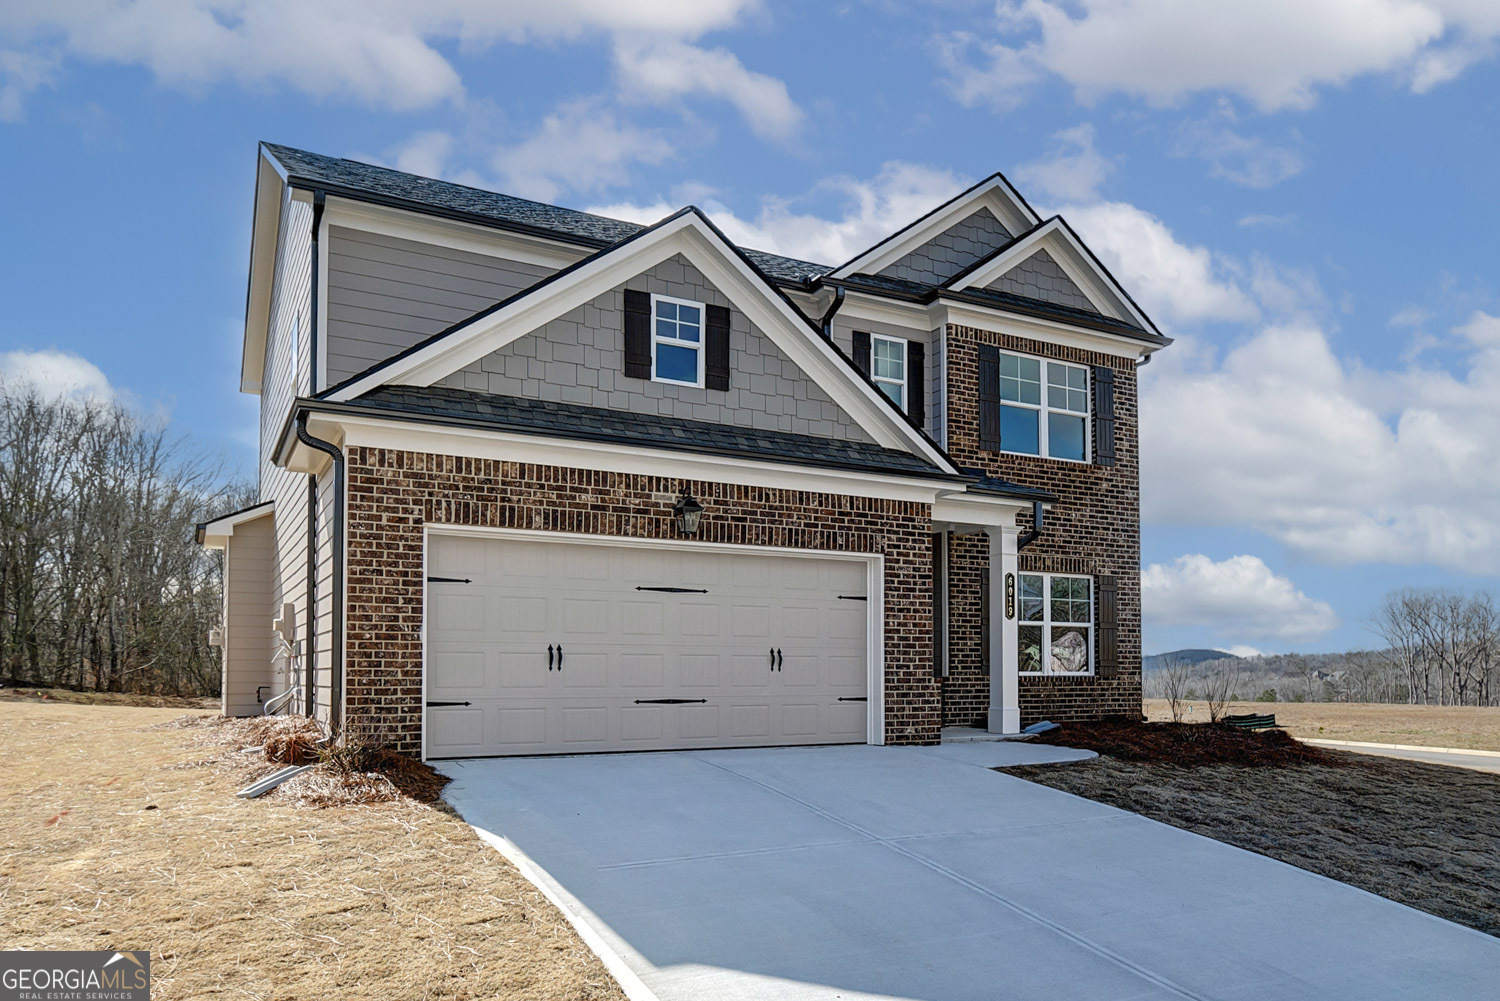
(542, 646)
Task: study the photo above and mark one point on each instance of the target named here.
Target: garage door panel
(624, 648)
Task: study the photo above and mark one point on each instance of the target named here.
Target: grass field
(1428, 726)
(106, 698)
(119, 829)
(1421, 834)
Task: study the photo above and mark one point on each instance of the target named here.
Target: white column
(1005, 684)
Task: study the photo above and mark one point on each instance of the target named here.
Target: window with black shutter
(862, 351)
(1109, 626)
(989, 398)
(916, 382)
(716, 365)
(637, 334)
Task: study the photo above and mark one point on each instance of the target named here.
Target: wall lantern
(688, 513)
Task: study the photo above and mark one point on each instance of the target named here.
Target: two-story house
(534, 480)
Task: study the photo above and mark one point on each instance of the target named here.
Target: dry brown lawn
(119, 829)
(1422, 834)
(1428, 726)
(106, 698)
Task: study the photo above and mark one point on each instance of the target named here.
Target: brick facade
(392, 495)
(1093, 529)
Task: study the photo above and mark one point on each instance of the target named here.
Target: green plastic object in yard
(1252, 721)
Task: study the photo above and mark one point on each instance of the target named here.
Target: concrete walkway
(866, 872)
(1484, 761)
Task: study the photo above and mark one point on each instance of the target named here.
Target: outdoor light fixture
(688, 513)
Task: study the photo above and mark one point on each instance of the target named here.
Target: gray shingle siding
(386, 294)
(951, 251)
(579, 358)
(1040, 277)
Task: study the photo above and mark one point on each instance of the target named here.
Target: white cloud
(385, 53)
(1341, 463)
(55, 373)
(665, 71)
(871, 210)
(1247, 160)
(1263, 220)
(1276, 53)
(1172, 281)
(1239, 598)
(583, 146)
(1072, 171)
(1240, 650)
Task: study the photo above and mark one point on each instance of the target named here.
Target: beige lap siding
(1093, 529)
(393, 495)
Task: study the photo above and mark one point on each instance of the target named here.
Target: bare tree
(1174, 676)
(1220, 679)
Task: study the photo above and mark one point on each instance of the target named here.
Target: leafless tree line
(1444, 644)
(101, 584)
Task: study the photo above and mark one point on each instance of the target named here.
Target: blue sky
(1301, 191)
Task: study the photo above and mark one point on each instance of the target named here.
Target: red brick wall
(1093, 529)
(392, 495)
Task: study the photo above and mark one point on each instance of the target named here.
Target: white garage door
(546, 647)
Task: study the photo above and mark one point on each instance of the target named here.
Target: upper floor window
(888, 367)
(676, 341)
(1044, 407)
(1056, 629)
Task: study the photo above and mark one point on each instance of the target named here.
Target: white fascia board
(1038, 329)
(482, 443)
(1070, 255)
(216, 533)
(472, 237)
(994, 193)
(976, 511)
(690, 236)
(265, 232)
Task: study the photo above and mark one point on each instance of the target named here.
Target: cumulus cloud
(1341, 463)
(1251, 161)
(1237, 598)
(55, 373)
(870, 210)
(1072, 171)
(583, 146)
(1275, 53)
(384, 53)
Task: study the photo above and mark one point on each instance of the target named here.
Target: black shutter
(1109, 627)
(637, 334)
(1104, 415)
(716, 365)
(916, 382)
(939, 604)
(862, 351)
(989, 398)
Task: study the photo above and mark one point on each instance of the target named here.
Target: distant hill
(1157, 661)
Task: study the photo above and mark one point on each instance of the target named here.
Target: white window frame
(1044, 408)
(1046, 624)
(701, 346)
(905, 380)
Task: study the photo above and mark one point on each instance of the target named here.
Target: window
(1057, 625)
(1044, 408)
(676, 341)
(888, 367)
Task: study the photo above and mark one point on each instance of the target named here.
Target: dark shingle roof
(566, 420)
(520, 213)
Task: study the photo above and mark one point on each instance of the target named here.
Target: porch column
(1005, 686)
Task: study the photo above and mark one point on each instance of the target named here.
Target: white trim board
(690, 235)
(402, 224)
(874, 590)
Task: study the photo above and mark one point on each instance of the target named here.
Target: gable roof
(368, 182)
(688, 232)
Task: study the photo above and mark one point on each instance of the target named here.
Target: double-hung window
(676, 341)
(888, 367)
(1044, 407)
(1056, 632)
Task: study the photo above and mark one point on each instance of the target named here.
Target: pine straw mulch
(1424, 835)
(119, 829)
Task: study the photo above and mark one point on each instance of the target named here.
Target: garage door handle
(667, 702)
(854, 698)
(559, 656)
(447, 704)
(779, 659)
(549, 656)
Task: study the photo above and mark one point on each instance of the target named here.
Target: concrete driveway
(867, 872)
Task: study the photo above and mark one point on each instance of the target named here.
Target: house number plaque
(1010, 596)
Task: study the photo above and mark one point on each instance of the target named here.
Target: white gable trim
(994, 193)
(688, 234)
(216, 534)
(1075, 260)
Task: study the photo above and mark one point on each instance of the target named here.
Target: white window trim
(905, 380)
(702, 340)
(1043, 410)
(1046, 623)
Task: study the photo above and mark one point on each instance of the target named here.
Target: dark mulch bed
(1190, 745)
